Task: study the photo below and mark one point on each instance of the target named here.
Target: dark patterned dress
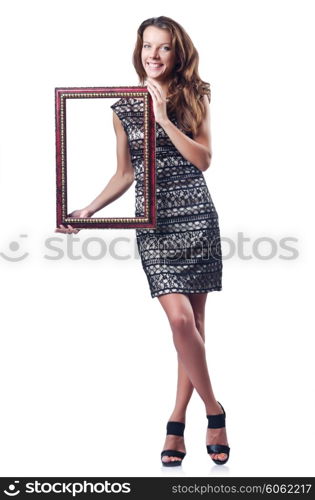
(183, 253)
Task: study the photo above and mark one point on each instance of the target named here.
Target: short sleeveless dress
(183, 253)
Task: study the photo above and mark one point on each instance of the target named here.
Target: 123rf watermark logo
(67, 487)
(174, 247)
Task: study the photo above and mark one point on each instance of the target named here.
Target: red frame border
(61, 166)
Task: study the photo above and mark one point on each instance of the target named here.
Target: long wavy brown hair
(186, 88)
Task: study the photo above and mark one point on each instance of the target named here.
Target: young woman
(182, 256)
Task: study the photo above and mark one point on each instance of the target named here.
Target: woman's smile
(154, 65)
(154, 68)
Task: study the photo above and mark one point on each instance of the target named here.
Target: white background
(91, 155)
(88, 370)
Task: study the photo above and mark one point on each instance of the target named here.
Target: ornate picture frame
(62, 96)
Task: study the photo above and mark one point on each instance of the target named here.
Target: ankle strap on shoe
(176, 428)
(216, 421)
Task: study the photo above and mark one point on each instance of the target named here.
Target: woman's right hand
(81, 214)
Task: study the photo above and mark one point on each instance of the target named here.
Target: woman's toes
(219, 456)
(170, 459)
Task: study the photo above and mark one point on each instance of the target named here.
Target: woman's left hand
(159, 101)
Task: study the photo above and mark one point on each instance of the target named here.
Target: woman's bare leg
(191, 353)
(184, 385)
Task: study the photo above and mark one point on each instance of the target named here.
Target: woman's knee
(181, 321)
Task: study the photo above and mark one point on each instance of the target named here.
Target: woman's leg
(191, 353)
(184, 385)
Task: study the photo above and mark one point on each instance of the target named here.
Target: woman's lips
(155, 65)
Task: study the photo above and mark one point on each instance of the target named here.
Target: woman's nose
(154, 53)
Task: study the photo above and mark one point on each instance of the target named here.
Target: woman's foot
(173, 442)
(217, 436)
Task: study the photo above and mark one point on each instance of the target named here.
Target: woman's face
(157, 55)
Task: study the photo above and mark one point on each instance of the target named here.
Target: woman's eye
(146, 45)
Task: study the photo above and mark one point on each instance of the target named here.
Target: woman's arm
(123, 177)
(118, 184)
(197, 150)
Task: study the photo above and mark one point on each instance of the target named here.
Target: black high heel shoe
(177, 429)
(216, 422)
